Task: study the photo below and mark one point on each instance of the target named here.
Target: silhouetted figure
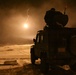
(55, 22)
(55, 18)
(49, 17)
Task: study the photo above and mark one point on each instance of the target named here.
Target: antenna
(65, 10)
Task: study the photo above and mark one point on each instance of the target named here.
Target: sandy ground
(21, 53)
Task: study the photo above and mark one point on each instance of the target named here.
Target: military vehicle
(54, 46)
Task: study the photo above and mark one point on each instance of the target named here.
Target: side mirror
(34, 40)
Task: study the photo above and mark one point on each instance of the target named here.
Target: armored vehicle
(54, 46)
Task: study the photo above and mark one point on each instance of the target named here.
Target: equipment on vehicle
(55, 45)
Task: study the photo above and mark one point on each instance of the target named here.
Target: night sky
(14, 13)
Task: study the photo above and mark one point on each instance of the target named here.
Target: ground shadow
(35, 70)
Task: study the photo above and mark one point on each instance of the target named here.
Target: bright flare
(26, 26)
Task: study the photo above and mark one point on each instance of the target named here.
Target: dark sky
(14, 13)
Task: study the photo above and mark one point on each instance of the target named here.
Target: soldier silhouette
(55, 22)
(49, 16)
(55, 18)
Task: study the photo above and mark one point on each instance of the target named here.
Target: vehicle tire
(32, 56)
(44, 66)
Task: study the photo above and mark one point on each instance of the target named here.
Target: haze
(15, 13)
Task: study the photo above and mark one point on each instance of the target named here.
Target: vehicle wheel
(32, 56)
(44, 67)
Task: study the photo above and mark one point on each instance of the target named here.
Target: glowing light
(26, 26)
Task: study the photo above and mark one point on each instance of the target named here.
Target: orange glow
(26, 26)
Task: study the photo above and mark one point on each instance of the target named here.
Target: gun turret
(56, 18)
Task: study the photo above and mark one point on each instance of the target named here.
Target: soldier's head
(52, 9)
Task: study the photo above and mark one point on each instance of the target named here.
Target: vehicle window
(37, 38)
(41, 38)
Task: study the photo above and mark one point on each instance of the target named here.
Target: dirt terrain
(35, 70)
(27, 68)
